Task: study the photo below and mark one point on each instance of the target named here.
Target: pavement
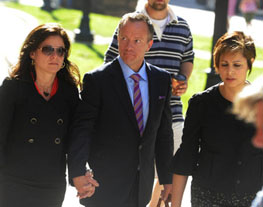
(15, 25)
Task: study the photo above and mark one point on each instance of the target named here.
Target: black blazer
(33, 131)
(106, 135)
(216, 147)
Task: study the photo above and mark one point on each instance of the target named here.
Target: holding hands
(85, 185)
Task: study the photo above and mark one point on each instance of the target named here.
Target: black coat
(33, 141)
(216, 147)
(106, 135)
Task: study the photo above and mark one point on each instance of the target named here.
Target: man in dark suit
(124, 123)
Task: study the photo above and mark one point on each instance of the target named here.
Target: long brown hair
(24, 66)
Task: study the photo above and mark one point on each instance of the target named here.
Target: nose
(129, 45)
(54, 55)
(230, 70)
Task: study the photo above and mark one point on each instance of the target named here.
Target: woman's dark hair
(24, 66)
(235, 42)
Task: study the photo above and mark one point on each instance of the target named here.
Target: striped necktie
(137, 102)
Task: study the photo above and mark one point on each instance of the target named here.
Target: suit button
(138, 168)
(33, 120)
(239, 162)
(238, 181)
(140, 147)
(60, 121)
(31, 140)
(57, 140)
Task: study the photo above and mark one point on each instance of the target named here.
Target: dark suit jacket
(106, 135)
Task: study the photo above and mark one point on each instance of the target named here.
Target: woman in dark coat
(37, 103)
(216, 147)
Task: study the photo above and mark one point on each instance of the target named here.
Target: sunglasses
(49, 50)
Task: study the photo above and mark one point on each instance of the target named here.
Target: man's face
(133, 43)
(158, 4)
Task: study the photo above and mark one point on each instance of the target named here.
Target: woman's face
(49, 56)
(233, 69)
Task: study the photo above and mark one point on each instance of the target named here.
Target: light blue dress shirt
(143, 84)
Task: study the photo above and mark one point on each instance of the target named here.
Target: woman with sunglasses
(37, 103)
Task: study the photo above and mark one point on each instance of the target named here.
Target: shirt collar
(127, 71)
(171, 13)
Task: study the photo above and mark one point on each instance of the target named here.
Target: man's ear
(150, 43)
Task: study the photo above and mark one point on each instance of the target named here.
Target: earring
(32, 62)
(63, 65)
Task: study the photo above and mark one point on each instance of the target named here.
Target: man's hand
(85, 185)
(179, 87)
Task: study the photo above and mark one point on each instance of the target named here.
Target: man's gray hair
(245, 102)
(137, 17)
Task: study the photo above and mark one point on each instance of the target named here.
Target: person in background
(231, 11)
(231, 8)
(124, 123)
(172, 50)
(37, 102)
(216, 147)
(248, 8)
(248, 105)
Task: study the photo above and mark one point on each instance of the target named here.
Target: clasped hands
(85, 185)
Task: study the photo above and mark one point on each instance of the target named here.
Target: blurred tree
(220, 27)
(83, 33)
(47, 5)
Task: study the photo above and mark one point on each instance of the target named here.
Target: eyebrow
(232, 61)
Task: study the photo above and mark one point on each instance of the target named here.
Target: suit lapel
(153, 89)
(120, 86)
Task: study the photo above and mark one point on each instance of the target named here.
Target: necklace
(44, 90)
(46, 93)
